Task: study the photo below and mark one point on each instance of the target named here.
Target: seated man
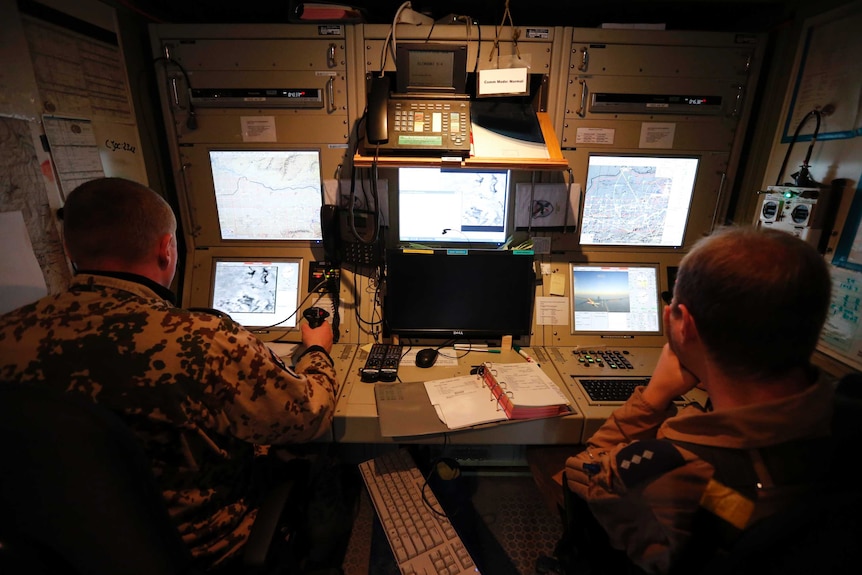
(663, 485)
(199, 390)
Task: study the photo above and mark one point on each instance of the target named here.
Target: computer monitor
(637, 200)
(437, 206)
(431, 68)
(478, 294)
(267, 194)
(615, 300)
(257, 294)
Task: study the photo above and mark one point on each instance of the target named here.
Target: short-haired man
(747, 310)
(199, 390)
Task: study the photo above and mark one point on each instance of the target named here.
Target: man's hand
(669, 380)
(321, 335)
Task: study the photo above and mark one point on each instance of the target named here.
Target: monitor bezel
(616, 334)
(697, 158)
(291, 322)
(200, 219)
(521, 326)
(403, 83)
(456, 237)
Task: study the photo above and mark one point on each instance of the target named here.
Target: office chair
(78, 497)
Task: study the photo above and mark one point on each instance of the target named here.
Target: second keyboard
(422, 541)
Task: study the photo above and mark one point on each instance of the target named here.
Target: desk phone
(415, 125)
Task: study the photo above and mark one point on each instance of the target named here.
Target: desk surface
(356, 418)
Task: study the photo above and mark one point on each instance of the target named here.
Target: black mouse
(426, 357)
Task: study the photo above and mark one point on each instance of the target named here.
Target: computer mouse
(426, 357)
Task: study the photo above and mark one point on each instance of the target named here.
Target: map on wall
(267, 195)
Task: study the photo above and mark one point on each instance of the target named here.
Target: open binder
(523, 391)
(501, 392)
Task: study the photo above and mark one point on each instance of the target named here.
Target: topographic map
(625, 205)
(267, 195)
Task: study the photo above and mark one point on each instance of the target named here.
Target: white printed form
(463, 401)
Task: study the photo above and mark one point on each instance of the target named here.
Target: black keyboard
(611, 389)
(382, 363)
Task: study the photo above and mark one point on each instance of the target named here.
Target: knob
(315, 316)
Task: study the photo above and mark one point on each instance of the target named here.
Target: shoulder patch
(643, 461)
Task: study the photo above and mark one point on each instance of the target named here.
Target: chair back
(77, 494)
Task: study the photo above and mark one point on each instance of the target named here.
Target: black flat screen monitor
(257, 293)
(477, 294)
(616, 300)
(267, 194)
(641, 200)
(453, 206)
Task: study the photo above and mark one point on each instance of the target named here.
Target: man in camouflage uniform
(199, 390)
(746, 314)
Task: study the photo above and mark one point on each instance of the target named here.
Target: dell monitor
(445, 295)
(637, 200)
(437, 206)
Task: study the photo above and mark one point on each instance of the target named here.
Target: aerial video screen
(257, 293)
(637, 200)
(267, 194)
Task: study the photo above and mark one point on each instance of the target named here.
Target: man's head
(757, 298)
(113, 224)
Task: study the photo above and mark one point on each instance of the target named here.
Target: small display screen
(257, 294)
(615, 298)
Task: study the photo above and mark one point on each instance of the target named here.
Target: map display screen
(458, 206)
(614, 298)
(637, 200)
(257, 294)
(267, 194)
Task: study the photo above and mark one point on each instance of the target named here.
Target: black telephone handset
(376, 122)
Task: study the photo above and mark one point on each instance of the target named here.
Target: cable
(813, 113)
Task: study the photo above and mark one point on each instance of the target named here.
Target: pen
(481, 350)
(522, 353)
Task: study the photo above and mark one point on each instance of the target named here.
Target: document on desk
(464, 401)
(404, 410)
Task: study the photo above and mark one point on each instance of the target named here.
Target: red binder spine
(499, 393)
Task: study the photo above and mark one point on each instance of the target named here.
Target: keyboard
(422, 541)
(381, 363)
(611, 389)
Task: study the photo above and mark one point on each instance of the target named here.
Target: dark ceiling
(738, 16)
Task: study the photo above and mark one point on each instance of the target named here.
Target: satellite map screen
(257, 294)
(615, 298)
(267, 194)
(637, 200)
(458, 206)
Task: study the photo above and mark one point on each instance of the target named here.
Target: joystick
(315, 316)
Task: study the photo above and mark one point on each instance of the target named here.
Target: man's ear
(165, 254)
(687, 325)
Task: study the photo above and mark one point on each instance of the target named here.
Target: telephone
(418, 125)
(342, 244)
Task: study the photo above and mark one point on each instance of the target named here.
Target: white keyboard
(423, 542)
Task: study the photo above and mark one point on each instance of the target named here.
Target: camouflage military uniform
(197, 389)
